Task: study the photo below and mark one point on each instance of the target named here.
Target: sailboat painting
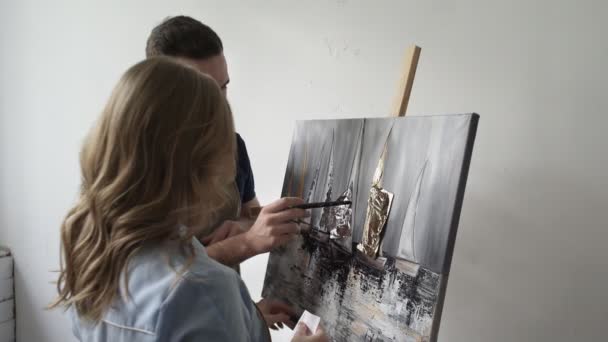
(376, 270)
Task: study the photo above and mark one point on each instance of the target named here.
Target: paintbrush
(320, 204)
(317, 205)
(255, 211)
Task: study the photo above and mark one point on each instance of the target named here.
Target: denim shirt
(209, 302)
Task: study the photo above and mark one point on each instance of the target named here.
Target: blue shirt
(244, 174)
(209, 302)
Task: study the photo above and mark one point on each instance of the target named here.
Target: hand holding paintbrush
(275, 224)
(255, 211)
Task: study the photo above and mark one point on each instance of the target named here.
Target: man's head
(194, 43)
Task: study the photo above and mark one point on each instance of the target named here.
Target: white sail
(325, 221)
(315, 179)
(406, 242)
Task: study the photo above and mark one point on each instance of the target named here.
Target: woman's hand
(302, 334)
(276, 313)
(275, 225)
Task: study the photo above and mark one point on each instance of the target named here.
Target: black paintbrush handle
(321, 204)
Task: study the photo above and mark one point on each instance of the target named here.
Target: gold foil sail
(378, 209)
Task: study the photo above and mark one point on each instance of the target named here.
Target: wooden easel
(406, 81)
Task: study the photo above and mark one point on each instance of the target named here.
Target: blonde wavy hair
(161, 155)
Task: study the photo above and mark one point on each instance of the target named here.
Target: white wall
(531, 260)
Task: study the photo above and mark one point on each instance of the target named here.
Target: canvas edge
(460, 192)
(454, 224)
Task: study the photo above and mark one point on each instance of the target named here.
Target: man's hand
(276, 313)
(226, 230)
(275, 225)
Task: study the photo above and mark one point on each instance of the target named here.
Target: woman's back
(161, 157)
(208, 302)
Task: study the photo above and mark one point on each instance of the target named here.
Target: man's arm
(231, 251)
(247, 216)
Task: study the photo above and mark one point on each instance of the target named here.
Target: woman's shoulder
(170, 265)
(165, 289)
(209, 300)
(161, 278)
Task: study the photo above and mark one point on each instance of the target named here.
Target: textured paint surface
(355, 300)
(394, 294)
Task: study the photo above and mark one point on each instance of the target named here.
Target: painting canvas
(375, 270)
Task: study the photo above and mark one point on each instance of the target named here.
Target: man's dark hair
(183, 36)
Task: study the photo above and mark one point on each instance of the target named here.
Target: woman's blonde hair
(162, 155)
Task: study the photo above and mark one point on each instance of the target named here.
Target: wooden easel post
(410, 63)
